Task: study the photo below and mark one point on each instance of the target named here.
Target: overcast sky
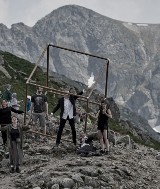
(30, 11)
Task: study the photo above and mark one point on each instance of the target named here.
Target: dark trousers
(4, 137)
(62, 125)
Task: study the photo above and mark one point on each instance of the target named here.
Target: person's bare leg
(33, 129)
(106, 142)
(100, 136)
(44, 130)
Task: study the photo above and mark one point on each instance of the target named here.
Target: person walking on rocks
(67, 108)
(39, 109)
(5, 118)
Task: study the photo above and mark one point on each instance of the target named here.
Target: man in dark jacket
(67, 108)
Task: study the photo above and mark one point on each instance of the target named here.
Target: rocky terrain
(45, 167)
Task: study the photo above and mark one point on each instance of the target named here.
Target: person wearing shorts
(39, 109)
(103, 114)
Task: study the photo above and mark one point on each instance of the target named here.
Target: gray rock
(67, 183)
(77, 178)
(92, 181)
(158, 157)
(55, 186)
(5, 162)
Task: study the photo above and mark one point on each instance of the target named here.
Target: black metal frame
(55, 91)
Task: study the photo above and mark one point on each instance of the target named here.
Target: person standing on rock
(5, 118)
(103, 114)
(39, 109)
(67, 108)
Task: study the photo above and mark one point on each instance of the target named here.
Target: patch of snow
(142, 24)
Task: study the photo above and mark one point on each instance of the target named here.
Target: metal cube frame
(55, 91)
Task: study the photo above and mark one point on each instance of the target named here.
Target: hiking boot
(107, 153)
(55, 146)
(83, 155)
(18, 170)
(102, 151)
(12, 169)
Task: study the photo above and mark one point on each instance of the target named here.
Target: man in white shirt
(67, 108)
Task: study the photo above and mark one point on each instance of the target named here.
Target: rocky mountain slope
(46, 167)
(129, 164)
(132, 48)
(15, 71)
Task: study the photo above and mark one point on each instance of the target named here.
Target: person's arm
(46, 104)
(96, 116)
(108, 113)
(17, 111)
(57, 107)
(25, 128)
(80, 93)
(3, 128)
(32, 105)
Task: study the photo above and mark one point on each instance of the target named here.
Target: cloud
(30, 11)
(3, 10)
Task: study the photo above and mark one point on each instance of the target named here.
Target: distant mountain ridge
(132, 48)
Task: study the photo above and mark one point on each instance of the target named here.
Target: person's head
(104, 104)
(82, 134)
(39, 90)
(8, 87)
(4, 103)
(66, 95)
(78, 110)
(14, 95)
(14, 120)
(101, 97)
(72, 90)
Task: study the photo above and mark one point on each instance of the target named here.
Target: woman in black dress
(103, 114)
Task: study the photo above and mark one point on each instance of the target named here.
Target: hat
(29, 97)
(14, 95)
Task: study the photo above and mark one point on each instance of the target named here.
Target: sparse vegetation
(22, 69)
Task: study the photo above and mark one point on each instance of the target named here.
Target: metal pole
(25, 106)
(72, 50)
(56, 90)
(106, 79)
(106, 86)
(85, 128)
(37, 64)
(47, 65)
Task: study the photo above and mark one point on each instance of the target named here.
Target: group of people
(12, 131)
(10, 97)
